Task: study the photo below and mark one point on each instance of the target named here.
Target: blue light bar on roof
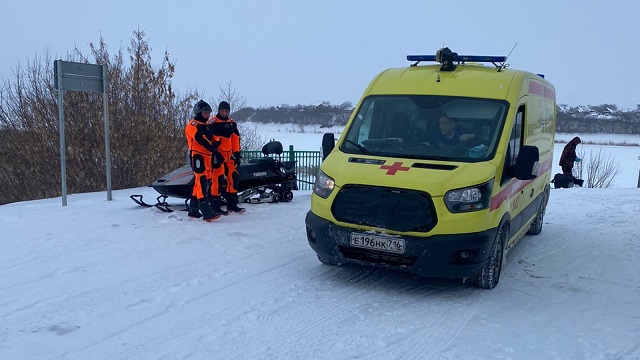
(471, 58)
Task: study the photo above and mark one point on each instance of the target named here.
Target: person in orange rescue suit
(226, 129)
(569, 157)
(201, 148)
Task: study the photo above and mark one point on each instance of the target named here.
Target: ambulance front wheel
(325, 261)
(489, 276)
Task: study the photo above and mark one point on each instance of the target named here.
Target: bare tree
(229, 94)
(601, 169)
(146, 120)
(249, 138)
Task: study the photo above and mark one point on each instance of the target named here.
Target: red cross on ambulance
(393, 169)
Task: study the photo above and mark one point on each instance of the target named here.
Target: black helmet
(224, 105)
(201, 106)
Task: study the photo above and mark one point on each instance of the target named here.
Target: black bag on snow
(565, 181)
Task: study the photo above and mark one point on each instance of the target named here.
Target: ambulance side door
(516, 192)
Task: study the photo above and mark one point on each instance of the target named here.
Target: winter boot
(194, 210)
(232, 203)
(207, 214)
(215, 202)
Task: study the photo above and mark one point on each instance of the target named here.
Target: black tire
(489, 276)
(536, 225)
(325, 261)
(287, 196)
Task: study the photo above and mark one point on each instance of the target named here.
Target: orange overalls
(201, 147)
(226, 130)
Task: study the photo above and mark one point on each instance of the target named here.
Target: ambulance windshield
(427, 127)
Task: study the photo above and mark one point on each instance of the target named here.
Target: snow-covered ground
(102, 279)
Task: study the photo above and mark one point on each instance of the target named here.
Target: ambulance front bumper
(443, 256)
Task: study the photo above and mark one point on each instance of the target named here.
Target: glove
(236, 158)
(217, 159)
(578, 159)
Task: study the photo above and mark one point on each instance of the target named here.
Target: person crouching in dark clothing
(569, 157)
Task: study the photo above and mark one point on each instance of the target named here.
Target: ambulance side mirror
(527, 163)
(328, 143)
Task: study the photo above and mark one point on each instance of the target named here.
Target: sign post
(73, 76)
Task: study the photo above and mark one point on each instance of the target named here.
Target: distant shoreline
(601, 139)
(612, 143)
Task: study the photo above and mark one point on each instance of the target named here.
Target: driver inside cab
(449, 133)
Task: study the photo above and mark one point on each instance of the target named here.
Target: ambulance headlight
(324, 185)
(473, 198)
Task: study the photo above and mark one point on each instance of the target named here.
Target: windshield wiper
(360, 147)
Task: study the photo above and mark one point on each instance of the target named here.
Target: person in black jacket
(569, 157)
(449, 133)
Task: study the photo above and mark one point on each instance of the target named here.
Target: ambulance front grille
(388, 208)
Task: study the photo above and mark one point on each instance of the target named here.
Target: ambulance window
(515, 143)
(407, 126)
(516, 136)
(363, 122)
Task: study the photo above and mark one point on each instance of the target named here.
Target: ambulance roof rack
(447, 58)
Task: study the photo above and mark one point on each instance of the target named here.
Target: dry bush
(250, 139)
(146, 125)
(601, 169)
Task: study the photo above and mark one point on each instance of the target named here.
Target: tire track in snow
(368, 284)
(208, 323)
(165, 326)
(67, 306)
(430, 338)
(352, 284)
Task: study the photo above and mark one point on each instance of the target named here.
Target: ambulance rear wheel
(536, 225)
(489, 276)
(287, 196)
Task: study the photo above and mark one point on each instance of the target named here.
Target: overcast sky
(303, 52)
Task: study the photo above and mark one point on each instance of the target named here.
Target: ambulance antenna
(505, 59)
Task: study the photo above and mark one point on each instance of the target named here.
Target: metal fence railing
(307, 164)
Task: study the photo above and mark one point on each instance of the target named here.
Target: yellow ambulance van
(440, 170)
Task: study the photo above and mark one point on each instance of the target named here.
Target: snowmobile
(262, 180)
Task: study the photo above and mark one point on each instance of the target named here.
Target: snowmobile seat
(272, 147)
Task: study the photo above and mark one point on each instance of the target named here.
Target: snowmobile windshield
(427, 127)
